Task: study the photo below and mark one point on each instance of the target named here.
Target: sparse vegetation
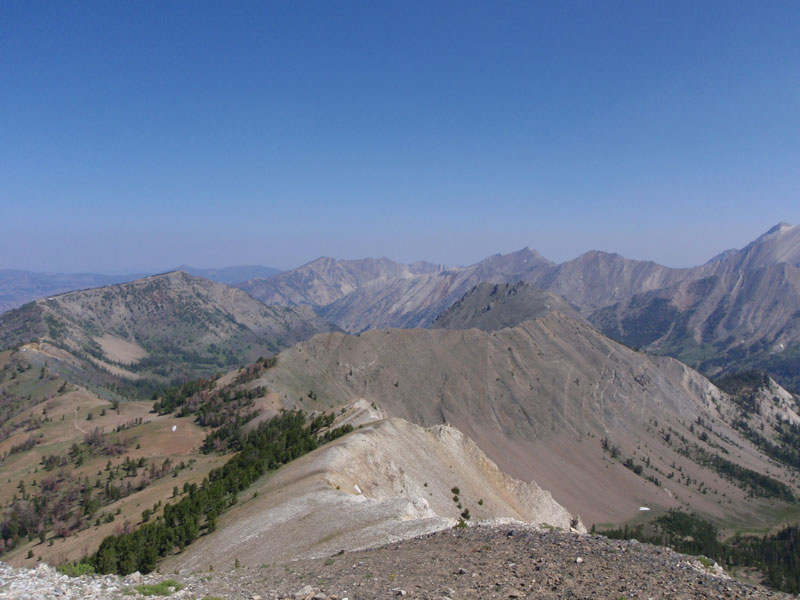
(705, 561)
(164, 588)
(607, 446)
(275, 442)
(756, 483)
(76, 569)
(776, 556)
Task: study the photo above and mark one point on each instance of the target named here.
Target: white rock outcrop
(387, 481)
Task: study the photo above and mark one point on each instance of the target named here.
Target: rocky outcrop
(387, 481)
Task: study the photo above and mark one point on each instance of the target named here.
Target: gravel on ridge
(476, 562)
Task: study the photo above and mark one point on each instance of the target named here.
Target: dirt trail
(75, 421)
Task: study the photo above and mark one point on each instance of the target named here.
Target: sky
(137, 136)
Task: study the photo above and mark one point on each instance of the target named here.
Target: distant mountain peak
(780, 227)
(781, 244)
(230, 275)
(170, 276)
(527, 250)
(526, 256)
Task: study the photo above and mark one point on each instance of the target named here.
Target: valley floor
(477, 562)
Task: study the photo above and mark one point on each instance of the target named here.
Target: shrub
(706, 562)
(76, 569)
(165, 588)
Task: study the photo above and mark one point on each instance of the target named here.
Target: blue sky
(142, 135)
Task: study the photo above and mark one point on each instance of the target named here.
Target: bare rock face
(529, 502)
(389, 480)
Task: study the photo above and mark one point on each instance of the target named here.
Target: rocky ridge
(539, 399)
(488, 561)
(388, 480)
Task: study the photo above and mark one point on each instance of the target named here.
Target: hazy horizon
(139, 137)
(162, 269)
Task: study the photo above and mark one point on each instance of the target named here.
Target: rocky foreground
(477, 562)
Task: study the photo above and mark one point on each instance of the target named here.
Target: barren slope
(387, 481)
(539, 399)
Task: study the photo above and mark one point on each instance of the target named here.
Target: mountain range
(739, 310)
(373, 293)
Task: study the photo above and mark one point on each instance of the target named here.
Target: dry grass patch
(121, 351)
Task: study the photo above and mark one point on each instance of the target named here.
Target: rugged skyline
(19, 286)
(139, 137)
